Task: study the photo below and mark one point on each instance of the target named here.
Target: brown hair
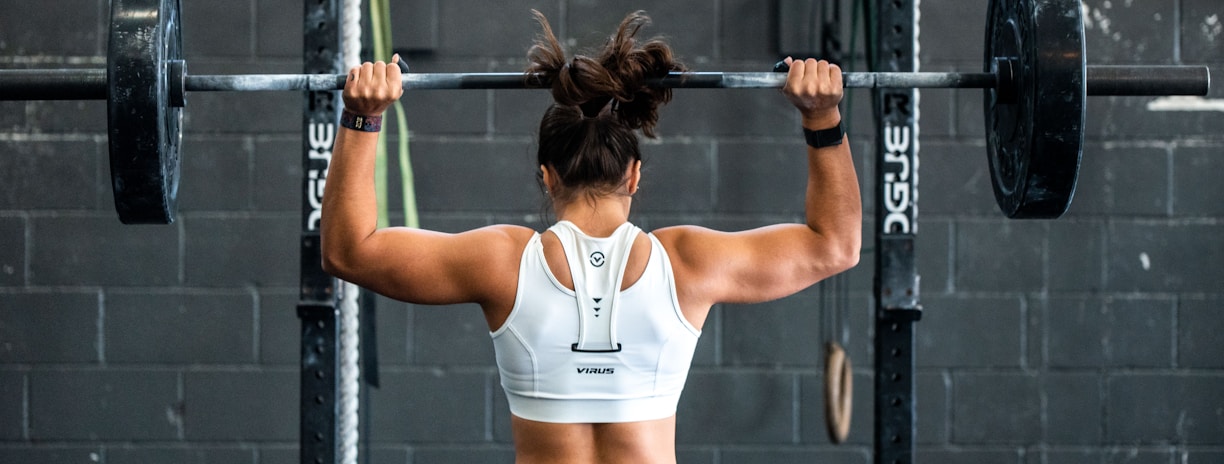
(587, 135)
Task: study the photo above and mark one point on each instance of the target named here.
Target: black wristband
(824, 138)
(361, 123)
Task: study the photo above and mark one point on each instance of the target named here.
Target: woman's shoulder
(672, 234)
(510, 230)
(504, 234)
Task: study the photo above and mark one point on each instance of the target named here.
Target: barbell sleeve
(53, 84)
(1148, 80)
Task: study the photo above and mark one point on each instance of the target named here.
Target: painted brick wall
(1091, 339)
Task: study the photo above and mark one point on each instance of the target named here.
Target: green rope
(380, 21)
(377, 24)
(411, 219)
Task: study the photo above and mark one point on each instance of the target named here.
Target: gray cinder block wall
(1091, 339)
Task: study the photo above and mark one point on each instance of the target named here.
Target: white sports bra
(594, 354)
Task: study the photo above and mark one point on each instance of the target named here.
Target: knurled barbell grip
(1101, 80)
(692, 80)
(90, 84)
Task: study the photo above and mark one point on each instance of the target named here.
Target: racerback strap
(597, 266)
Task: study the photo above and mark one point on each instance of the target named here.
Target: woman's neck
(597, 217)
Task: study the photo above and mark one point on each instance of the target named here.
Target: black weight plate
(1034, 142)
(144, 130)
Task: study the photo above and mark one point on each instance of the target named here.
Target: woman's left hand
(372, 87)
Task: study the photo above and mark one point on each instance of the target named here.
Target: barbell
(1035, 81)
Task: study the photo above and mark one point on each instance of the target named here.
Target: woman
(594, 322)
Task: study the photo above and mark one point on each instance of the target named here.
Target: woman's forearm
(350, 205)
(833, 204)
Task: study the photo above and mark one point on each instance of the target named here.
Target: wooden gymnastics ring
(839, 392)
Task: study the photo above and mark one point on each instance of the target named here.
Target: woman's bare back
(647, 442)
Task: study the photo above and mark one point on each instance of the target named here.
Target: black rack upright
(896, 278)
(317, 306)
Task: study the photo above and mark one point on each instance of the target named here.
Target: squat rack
(895, 288)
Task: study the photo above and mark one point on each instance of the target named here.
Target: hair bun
(620, 71)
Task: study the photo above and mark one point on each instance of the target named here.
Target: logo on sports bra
(596, 370)
(597, 259)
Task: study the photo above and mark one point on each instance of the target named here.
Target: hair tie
(594, 107)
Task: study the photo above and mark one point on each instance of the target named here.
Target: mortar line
(1104, 232)
(1024, 332)
(714, 174)
(1175, 327)
(25, 406)
(256, 322)
(796, 409)
(950, 263)
(28, 230)
(490, 113)
(100, 326)
(182, 251)
(1103, 394)
(252, 31)
(488, 406)
(563, 17)
(718, 30)
(1177, 31)
(252, 163)
(178, 411)
(718, 337)
(100, 45)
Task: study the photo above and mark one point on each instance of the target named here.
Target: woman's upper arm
(750, 266)
(427, 267)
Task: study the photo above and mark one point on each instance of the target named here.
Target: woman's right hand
(815, 88)
(372, 87)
